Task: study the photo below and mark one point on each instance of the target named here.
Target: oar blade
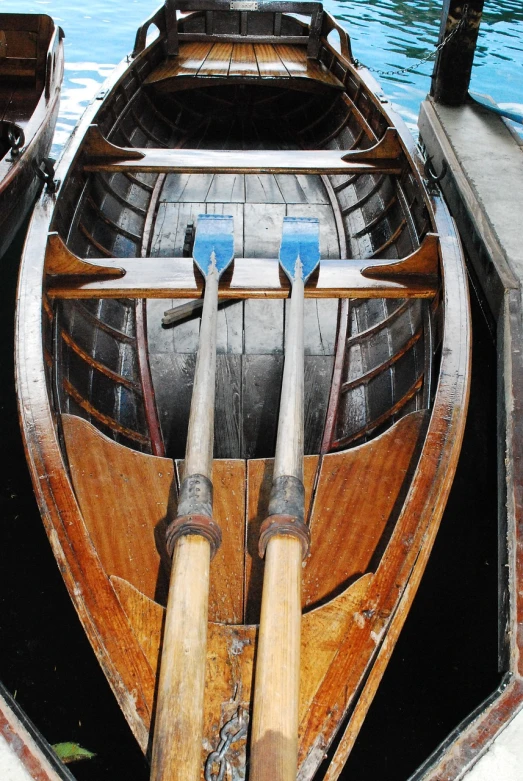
(300, 240)
(214, 234)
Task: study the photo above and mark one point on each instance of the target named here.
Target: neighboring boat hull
(32, 108)
(361, 598)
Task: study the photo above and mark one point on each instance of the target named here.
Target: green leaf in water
(71, 752)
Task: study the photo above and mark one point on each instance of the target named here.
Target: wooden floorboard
(243, 61)
(217, 61)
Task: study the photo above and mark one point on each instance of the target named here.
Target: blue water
(386, 35)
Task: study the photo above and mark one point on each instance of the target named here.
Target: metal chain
(228, 736)
(398, 71)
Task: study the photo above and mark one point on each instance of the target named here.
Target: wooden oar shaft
(178, 733)
(274, 741)
(177, 746)
(200, 435)
(288, 459)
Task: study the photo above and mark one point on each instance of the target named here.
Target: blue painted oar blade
(214, 233)
(490, 103)
(300, 239)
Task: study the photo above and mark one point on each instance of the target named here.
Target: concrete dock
(481, 158)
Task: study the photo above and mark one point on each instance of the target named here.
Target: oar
(284, 539)
(192, 539)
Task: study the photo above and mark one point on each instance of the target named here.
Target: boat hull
(404, 442)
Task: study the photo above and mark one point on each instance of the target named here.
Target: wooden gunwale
(447, 423)
(95, 600)
(392, 588)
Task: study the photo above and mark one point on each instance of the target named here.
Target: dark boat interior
(388, 343)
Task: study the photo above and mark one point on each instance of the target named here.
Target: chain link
(235, 729)
(398, 71)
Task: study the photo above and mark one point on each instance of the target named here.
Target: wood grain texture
(60, 261)
(231, 651)
(349, 518)
(226, 578)
(124, 497)
(242, 61)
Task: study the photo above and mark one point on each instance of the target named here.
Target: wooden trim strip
(100, 247)
(334, 397)
(141, 184)
(157, 141)
(339, 187)
(151, 410)
(101, 418)
(94, 364)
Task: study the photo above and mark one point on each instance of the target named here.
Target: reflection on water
(386, 35)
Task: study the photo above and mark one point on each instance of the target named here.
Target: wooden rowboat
(246, 123)
(31, 71)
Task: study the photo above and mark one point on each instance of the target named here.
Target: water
(386, 35)
(46, 658)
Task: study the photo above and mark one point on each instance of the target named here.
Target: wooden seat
(245, 61)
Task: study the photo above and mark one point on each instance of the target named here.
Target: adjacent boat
(250, 124)
(25, 755)
(31, 71)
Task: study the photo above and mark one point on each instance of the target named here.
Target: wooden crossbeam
(68, 276)
(102, 155)
(251, 278)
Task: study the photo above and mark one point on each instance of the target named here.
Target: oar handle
(274, 738)
(177, 745)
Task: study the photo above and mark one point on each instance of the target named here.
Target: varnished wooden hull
(29, 101)
(104, 390)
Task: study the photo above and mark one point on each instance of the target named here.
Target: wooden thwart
(384, 157)
(413, 277)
